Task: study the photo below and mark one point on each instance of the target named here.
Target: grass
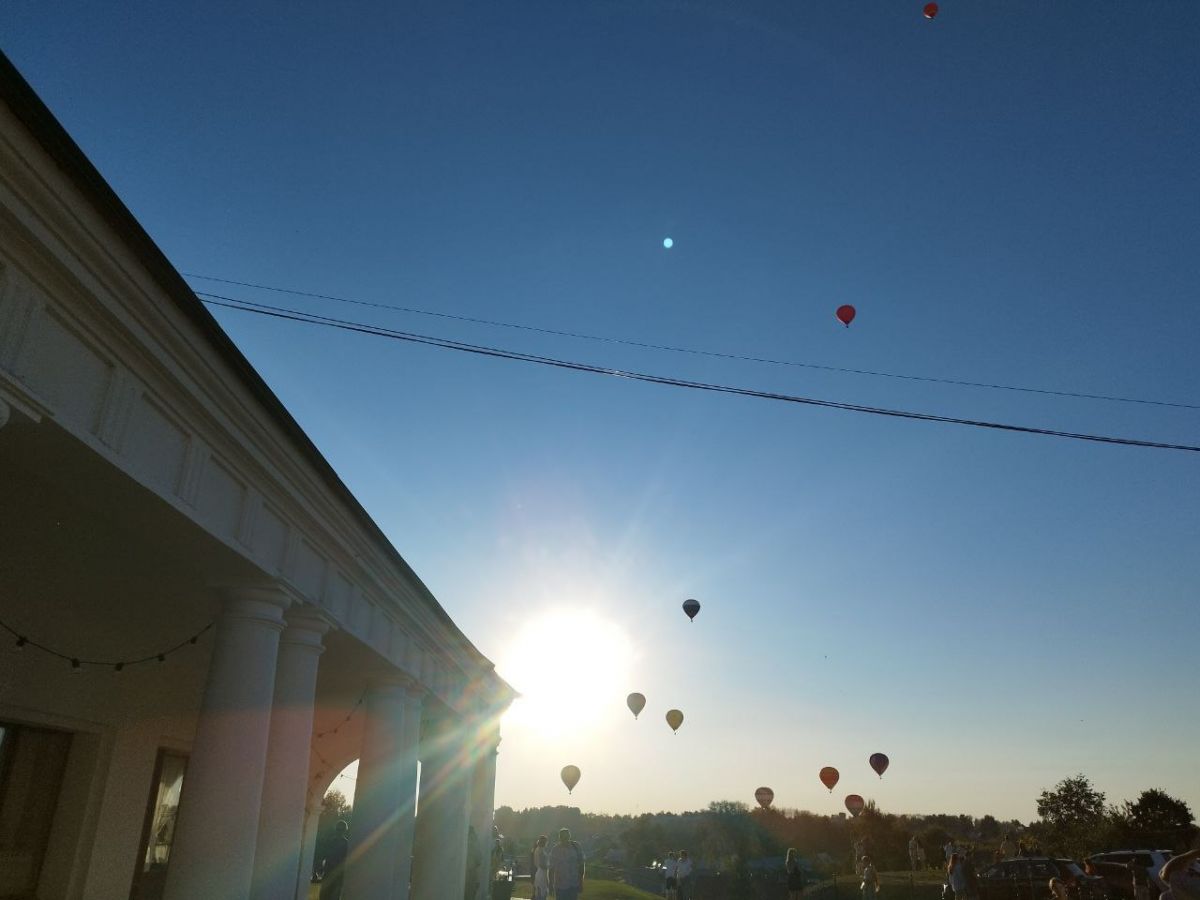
(593, 889)
(597, 889)
(600, 889)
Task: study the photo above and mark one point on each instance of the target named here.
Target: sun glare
(570, 667)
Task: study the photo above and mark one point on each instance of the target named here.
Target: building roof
(28, 107)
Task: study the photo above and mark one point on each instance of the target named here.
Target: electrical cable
(482, 350)
(1078, 395)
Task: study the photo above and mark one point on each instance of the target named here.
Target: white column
(285, 789)
(308, 848)
(213, 853)
(381, 830)
(440, 857)
(483, 802)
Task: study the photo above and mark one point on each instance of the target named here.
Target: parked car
(1118, 884)
(1151, 860)
(1028, 878)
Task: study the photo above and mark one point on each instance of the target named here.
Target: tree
(1156, 818)
(1073, 817)
(335, 805)
(987, 828)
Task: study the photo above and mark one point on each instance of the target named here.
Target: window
(31, 769)
(158, 834)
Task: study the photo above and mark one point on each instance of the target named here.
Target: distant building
(153, 490)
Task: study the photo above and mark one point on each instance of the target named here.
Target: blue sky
(1007, 194)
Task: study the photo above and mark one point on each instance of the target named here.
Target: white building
(152, 486)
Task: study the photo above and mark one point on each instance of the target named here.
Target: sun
(570, 667)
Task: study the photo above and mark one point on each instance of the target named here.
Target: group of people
(677, 868)
(961, 876)
(560, 869)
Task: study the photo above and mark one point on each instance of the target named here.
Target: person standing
(970, 877)
(1007, 850)
(334, 865)
(539, 861)
(949, 850)
(683, 876)
(795, 875)
(670, 867)
(956, 876)
(566, 867)
(870, 880)
(915, 852)
(1180, 877)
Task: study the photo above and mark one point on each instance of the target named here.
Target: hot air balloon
(636, 703)
(570, 777)
(879, 762)
(764, 796)
(674, 719)
(854, 804)
(846, 314)
(691, 607)
(829, 777)
(931, 10)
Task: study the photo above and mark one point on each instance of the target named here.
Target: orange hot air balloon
(829, 777)
(879, 762)
(854, 804)
(636, 703)
(846, 314)
(674, 719)
(931, 10)
(765, 796)
(570, 777)
(691, 607)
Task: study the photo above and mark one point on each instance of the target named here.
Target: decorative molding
(128, 372)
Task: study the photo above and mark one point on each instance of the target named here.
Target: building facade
(201, 626)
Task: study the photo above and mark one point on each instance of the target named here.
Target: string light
(325, 763)
(117, 665)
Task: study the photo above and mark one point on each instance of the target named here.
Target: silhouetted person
(334, 866)
(566, 867)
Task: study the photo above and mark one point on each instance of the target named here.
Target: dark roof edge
(67, 155)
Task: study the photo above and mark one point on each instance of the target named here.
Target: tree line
(1074, 820)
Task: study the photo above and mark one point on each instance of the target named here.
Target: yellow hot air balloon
(636, 703)
(674, 719)
(570, 777)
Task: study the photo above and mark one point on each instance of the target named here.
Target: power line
(495, 352)
(693, 351)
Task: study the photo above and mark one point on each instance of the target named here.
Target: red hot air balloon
(570, 777)
(764, 796)
(879, 762)
(931, 10)
(846, 314)
(636, 703)
(691, 607)
(829, 777)
(854, 804)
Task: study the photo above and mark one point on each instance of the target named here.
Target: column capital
(263, 602)
(305, 627)
(396, 684)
